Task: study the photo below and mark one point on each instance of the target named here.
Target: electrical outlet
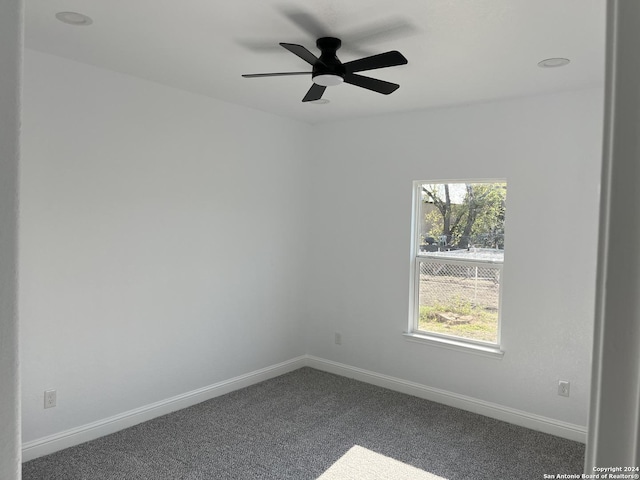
(563, 388)
(50, 399)
(338, 338)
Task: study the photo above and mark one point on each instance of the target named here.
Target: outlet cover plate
(563, 388)
(50, 398)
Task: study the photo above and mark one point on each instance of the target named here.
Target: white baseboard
(84, 433)
(499, 412)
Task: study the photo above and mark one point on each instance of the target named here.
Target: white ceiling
(459, 51)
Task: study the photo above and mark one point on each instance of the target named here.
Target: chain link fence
(444, 283)
(460, 298)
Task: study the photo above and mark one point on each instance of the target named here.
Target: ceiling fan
(329, 71)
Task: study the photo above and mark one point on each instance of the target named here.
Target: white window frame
(413, 334)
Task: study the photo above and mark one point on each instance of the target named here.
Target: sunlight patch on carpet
(360, 463)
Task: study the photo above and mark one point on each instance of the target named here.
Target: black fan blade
(382, 60)
(369, 83)
(283, 74)
(306, 22)
(384, 30)
(314, 93)
(302, 52)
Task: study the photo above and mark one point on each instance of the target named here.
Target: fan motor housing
(329, 70)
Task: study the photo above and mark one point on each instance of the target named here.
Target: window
(457, 257)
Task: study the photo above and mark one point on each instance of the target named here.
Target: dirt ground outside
(460, 300)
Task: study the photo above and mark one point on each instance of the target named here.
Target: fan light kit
(74, 18)
(328, 80)
(328, 71)
(553, 62)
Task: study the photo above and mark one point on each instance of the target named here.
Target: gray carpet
(296, 426)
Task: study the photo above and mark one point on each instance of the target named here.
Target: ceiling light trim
(553, 62)
(74, 18)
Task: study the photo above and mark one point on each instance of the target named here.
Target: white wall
(11, 30)
(146, 269)
(548, 148)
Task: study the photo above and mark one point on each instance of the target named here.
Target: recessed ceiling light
(74, 18)
(553, 62)
(320, 101)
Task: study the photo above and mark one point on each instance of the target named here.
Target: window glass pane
(461, 215)
(459, 299)
(459, 256)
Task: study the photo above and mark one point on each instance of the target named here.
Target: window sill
(452, 344)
